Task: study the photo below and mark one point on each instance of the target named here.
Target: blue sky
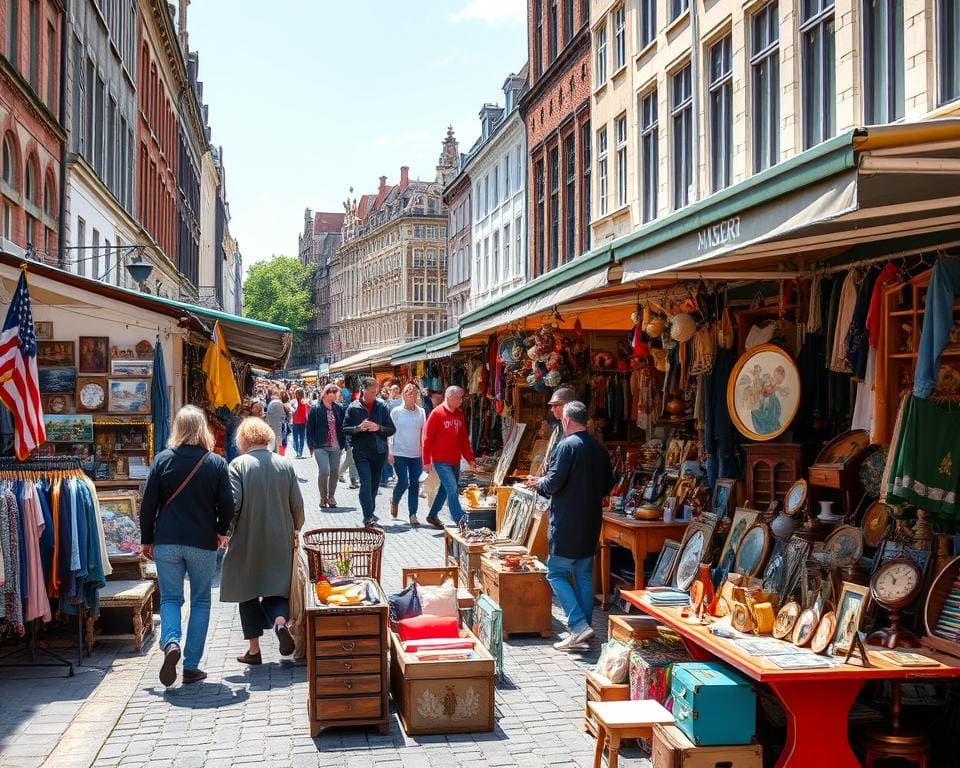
(314, 97)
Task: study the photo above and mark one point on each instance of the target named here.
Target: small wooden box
(452, 696)
(465, 556)
(631, 629)
(524, 596)
(672, 749)
(599, 688)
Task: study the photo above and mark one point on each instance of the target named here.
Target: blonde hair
(409, 387)
(253, 431)
(190, 427)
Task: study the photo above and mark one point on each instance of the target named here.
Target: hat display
(562, 396)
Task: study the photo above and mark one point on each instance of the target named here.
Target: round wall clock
(876, 521)
(844, 546)
(805, 627)
(688, 561)
(896, 583)
(753, 550)
(91, 394)
(824, 634)
(786, 618)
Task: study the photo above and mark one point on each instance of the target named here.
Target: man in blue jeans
(579, 476)
(445, 442)
(367, 424)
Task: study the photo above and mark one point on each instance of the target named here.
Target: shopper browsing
(326, 439)
(368, 425)
(409, 420)
(445, 442)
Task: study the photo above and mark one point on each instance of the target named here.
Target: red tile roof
(327, 222)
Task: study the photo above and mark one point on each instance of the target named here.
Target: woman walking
(325, 438)
(186, 510)
(259, 560)
(409, 419)
(300, 407)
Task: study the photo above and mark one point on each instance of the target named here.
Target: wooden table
(816, 701)
(641, 537)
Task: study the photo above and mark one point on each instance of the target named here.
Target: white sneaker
(569, 643)
(585, 636)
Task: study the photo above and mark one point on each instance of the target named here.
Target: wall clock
(895, 585)
(91, 394)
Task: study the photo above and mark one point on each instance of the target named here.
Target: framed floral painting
(763, 393)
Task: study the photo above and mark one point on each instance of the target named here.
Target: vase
(826, 509)
(709, 593)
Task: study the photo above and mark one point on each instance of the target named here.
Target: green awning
(439, 345)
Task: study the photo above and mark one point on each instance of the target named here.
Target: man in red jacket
(445, 440)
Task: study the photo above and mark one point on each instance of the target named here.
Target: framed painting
(694, 549)
(121, 524)
(743, 518)
(753, 550)
(763, 393)
(508, 453)
(850, 606)
(43, 330)
(54, 354)
(60, 380)
(129, 395)
(722, 492)
(661, 571)
(68, 428)
(94, 354)
(58, 403)
(131, 367)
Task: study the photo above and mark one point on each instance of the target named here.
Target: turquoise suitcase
(713, 705)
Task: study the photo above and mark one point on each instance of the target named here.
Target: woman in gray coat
(259, 560)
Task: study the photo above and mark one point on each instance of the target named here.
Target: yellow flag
(221, 385)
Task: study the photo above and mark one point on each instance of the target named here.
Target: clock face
(92, 395)
(895, 583)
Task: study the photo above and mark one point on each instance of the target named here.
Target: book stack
(665, 596)
(948, 625)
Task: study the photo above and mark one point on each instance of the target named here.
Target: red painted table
(816, 701)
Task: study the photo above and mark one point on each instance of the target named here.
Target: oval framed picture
(753, 550)
(786, 619)
(824, 634)
(688, 561)
(805, 627)
(795, 497)
(763, 393)
(876, 521)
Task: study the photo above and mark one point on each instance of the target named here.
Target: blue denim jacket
(937, 321)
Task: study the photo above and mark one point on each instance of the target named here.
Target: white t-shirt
(409, 435)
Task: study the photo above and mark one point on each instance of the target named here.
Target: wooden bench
(619, 720)
(132, 596)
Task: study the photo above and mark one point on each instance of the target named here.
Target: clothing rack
(8, 466)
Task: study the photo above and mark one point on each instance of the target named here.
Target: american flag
(19, 387)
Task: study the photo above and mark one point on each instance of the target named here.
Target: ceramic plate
(786, 618)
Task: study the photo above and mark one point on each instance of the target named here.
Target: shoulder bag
(187, 479)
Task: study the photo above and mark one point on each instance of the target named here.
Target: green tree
(278, 291)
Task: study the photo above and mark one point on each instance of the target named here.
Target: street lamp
(139, 272)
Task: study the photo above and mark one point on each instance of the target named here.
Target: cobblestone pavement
(114, 712)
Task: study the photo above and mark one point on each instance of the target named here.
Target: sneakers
(569, 643)
(168, 671)
(435, 522)
(585, 636)
(371, 523)
(394, 509)
(285, 639)
(354, 486)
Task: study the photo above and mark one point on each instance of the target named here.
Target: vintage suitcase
(713, 705)
(672, 749)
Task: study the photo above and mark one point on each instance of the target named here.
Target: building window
(538, 38)
(650, 154)
(476, 268)
(51, 68)
(883, 68)
(518, 182)
(48, 198)
(30, 181)
(507, 189)
(32, 225)
(948, 49)
(81, 246)
(765, 73)
(552, 31)
(600, 37)
(648, 22)
(621, 134)
(567, 21)
(539, 192)
(569, 203)
(587, 160)
(7, 163)
(721, 113)
(602, 171)
(678, 8)
(431, 231)
(507, 264)
(496, 187)
(495, 273)
(518, 250)
(34, 49)
(681, 114)
(818, 71)
(95, 257)
(554, 207)
(13, 31)
(619, 39)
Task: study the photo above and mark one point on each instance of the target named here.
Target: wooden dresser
(347, 663)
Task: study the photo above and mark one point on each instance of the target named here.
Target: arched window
(30, 181)
(48, 197)
(7, 161)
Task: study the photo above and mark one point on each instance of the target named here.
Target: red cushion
(425, 626)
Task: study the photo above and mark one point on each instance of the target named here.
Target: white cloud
(492, 12)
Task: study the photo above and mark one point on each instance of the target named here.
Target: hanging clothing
(98, 519)
(942, 292)
(856, 342)
(37, 604)
(53, 581)
(720, 437)
(11, 603)
(845, 310)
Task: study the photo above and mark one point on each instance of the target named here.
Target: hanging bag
(183, 484)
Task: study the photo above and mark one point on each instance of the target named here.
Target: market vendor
(561, 396)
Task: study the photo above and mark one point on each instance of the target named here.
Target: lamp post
(139, 272)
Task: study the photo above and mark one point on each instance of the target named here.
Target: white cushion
(439, 601)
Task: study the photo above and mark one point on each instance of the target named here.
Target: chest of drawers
(347, 663)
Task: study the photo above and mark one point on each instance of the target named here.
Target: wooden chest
(347, 663)
(465, 556)
(523, 596)
(672, 749)
(631, 629)
(443, 696)
(599, 688)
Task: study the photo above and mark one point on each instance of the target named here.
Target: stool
(599, 688)
(133, 596)
(908, 746)
(619, 720)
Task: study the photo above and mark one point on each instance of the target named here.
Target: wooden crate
(452, 696)
(599, 688)
(672, 749)
(524, 597)
(631, 629)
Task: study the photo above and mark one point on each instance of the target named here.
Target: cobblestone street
(245, 715)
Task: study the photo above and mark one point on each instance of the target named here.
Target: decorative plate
(844, 546)
(824, 634)
(786, 618)
(875, 523)
(805, 627)
(688, 562)
(763, 392)
(871, 471)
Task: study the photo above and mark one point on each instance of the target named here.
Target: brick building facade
(556, 113)
(318, 243)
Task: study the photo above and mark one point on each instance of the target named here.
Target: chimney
(182, 27)
(383, 184)
(404, 176)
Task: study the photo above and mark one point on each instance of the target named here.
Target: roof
(327, 222)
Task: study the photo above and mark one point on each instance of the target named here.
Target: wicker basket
(364, 547)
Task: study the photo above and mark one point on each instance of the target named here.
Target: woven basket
(364, 547)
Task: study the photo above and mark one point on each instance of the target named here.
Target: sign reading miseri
(726, 231)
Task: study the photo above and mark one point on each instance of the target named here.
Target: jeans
(369, 468)
(572, 583)
(448, 475)
(259, 614)
(386, 473)
(349, 464)
(299, 438)
(408, 476)
(174, 561)
(328, 463)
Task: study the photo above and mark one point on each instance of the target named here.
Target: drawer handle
(348, 665)
(348, 623)
(350, 707)
(348, 646)
(348, 685)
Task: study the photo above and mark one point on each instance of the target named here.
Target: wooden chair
(619, 720)
(364, 547)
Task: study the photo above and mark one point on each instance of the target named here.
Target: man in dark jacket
(578, 478)
(368, 425)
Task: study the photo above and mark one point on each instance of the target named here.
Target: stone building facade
(31, 128)
(689, 99)
(556, 113)
(388, 283)
(318, 244)
(456, 196)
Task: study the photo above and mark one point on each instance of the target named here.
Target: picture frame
(691, 555)
(57, 380)
(120, 513)
(891, 550)
(850, 607)
(664, 565)
(140, 368)
(742, 520)
(675, 453)
(815, 584)
(68, 428)
(58, 402)
(508, 453)
(128, 395)
(763, 392)
(56, 354)
(753, 550)
(43, 330)
(722, 493)
(94, 354)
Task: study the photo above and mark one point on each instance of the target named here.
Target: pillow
(421, 627)
(405, 604)
(439, 601)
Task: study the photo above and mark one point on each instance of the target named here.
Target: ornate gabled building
(321, 236)
(388, 283)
